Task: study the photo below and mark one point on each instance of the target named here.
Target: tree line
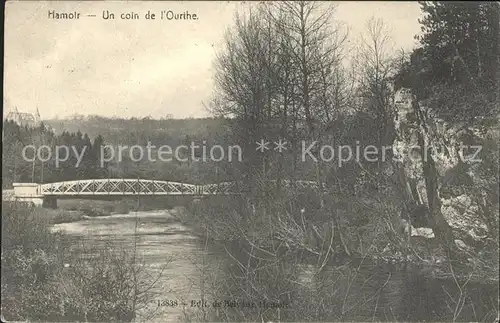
(32, 168)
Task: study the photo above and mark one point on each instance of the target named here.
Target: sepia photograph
(250, 161)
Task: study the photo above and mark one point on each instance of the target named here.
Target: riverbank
(71, 210)
(215, 221)
(74, 209)
(47, 276)
(384, 285)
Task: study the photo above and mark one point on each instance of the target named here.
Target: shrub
(102, 284)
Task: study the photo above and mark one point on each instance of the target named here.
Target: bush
(102, 284)
(29, 263)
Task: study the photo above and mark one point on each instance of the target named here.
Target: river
(358, 292)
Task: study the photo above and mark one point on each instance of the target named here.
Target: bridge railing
(150, 187)
(118, 187)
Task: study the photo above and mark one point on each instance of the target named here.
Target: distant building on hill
(24, 118)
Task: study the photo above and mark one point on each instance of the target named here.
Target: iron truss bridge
(149, 187)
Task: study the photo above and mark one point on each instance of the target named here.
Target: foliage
(460, 40)
(37, 285)
(18, 169)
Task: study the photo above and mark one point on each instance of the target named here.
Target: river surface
(359, 292)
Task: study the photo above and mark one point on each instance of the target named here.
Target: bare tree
(376, 67)
(244, 78)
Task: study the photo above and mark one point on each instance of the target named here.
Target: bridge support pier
(28, 193)
(50, 202)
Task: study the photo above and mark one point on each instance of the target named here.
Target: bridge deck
(125, 187)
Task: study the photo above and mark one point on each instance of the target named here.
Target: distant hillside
(134, 131)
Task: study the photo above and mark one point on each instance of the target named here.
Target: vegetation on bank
(121, 205)
(44, 278)
(281, 258)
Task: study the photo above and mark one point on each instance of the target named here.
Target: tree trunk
(440, 226)
(402, 184)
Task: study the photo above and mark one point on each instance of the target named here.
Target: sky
(138, 68)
